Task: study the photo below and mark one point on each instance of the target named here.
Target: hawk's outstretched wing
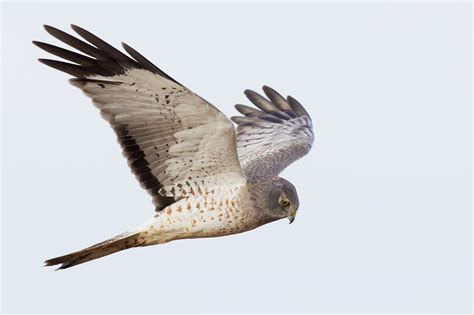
(176, 143)
(270, 139)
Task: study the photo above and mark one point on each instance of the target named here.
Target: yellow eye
(285, 203)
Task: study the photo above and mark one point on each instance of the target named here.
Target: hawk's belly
(209, 215)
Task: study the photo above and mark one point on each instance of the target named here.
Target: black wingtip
(247, 92)
(41, 45)
(146, 63)
(296, 106)
(125, 46)
(235, 119)
(276, 98)
(268, 90)
(240, 120)
(97, 58)
(50, 29)
(81, 31)
(260, 101)
(76, 28)
(248, 111)
(74, 70)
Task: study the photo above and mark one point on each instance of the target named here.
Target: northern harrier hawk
(207, 179)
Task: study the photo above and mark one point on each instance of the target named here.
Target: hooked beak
(291, 214)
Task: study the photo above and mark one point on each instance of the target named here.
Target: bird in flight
(206, 177)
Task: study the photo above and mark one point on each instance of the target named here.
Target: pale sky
(385, 196)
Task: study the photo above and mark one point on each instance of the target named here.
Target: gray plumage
(206, 178)
(271, 139)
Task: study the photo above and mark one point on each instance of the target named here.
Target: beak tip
(292, 215)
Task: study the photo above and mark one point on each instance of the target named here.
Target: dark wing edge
(276, 108)
(274, 116)
(101, 59)
(98, 58)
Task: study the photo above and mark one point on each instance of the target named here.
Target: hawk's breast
(213, 213)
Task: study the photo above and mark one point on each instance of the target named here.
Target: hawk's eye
(285, 203)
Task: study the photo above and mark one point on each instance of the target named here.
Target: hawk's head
(283, 199)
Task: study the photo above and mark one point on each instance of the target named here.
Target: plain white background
(385, 217)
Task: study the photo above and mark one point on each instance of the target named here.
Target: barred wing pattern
(273, 136)
(176, 143)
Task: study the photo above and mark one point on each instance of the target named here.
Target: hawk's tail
(110, 246)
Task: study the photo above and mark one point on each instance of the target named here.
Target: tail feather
(110, 246)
